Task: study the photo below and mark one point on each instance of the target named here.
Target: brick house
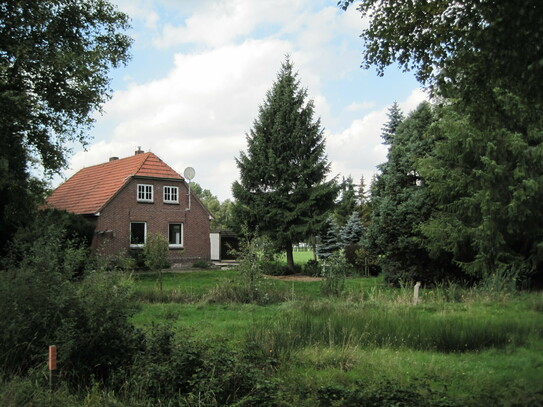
(131, 198)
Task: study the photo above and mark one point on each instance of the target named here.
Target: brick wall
(112, 233)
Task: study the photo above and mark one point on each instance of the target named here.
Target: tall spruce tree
(403, 203)
(347, 202)
(283, 192)
(488, 187)
(395, 117)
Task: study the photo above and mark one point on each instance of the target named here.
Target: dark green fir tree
(395, 117)
(347, 202)
(402, 202)
(283, 191)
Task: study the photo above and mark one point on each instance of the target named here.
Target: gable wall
(112, 233)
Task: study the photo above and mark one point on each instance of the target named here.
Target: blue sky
(200, 69)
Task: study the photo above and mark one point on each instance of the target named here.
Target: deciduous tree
(55, 57)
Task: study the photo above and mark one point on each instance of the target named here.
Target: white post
(416, 293)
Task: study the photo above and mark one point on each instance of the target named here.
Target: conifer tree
(403, 203)
(364, 204)
(352, 232)
(395, 117)
(283, 192)
(347, 202)
(329, 239)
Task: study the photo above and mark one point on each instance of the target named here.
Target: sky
(201, 69)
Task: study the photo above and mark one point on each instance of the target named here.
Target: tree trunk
(290, 257)
(314, 247)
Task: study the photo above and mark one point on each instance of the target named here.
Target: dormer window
(145, 193)
(171, 194)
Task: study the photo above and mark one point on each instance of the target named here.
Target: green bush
(334, 269)
(384, 393)
(155, 252)
(201, 264)
(188, 371)
(312, 268)
(41, 304)
(250, 287)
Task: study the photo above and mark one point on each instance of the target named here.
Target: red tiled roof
(90, 189)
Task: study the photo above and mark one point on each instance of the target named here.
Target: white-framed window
(145, 193)
(171, 194)
(138, 234)
(175, 234)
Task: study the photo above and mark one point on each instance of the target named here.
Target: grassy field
(463, 347)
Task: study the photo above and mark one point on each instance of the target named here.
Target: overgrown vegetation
(369, 344)
(270, 334)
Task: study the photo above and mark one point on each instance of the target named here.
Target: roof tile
(87, 191)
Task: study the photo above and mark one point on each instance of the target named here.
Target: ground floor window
(138, 232)
(175, 234)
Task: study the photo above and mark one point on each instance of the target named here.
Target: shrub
(155, 253)
(333, 271)
(96, 337)
(42, 304)
(312, 268)
(189, 371)
(251, 287)
(384, 393)
(201, 264)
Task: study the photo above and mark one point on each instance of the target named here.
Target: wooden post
(416, 293)
(52, 366)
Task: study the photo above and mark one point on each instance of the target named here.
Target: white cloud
(358, 149)
(221, 22)
(414, 99)
(197, 115)
(197, 112)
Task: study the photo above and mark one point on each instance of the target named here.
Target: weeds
(343, 324)
(333, 271)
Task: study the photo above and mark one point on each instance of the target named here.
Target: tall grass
(346, 325)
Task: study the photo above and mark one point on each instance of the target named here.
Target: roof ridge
(142, 162)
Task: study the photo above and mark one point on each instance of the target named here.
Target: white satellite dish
(189, 173)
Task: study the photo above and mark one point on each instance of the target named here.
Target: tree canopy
(401, 202)
(283, 191)
(55, 57)
(483, 62)
(468, 43)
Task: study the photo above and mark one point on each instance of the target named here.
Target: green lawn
(464, 347)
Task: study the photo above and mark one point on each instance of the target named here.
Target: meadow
(457, 347)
